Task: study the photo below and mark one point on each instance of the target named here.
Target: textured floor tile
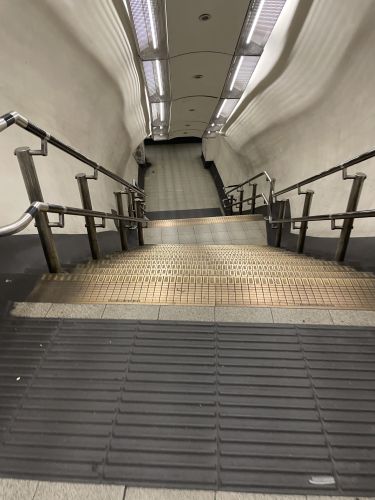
(170, 238)
(224, 495)
(17, 489)
(354, 318)
(153, 231)
(185, 230)
(219, 228)
(86, 311)
(314, 497)
(243, 314)
(169, 231)
(307, 316)
(236, 233)
(239, 241)
(205, 239)
(163, 494)
(152, 240)
(131, 311)
(74, 491)
(187, 238)
(222, 238)
(30, 309)
(187, 313)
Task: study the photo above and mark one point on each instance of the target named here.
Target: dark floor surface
(185, 214)
(272, 408)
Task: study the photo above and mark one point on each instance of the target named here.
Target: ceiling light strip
(268, 10)
(160, 80)
(221, 108)
(254, 23)
(152, 25)
(236, 73)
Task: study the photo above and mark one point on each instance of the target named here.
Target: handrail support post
(355, 193)
(304, 224)
(121, 223)
(279, 230)
(30, 177)
(253, 198)
(90, 221)
(240, 206)
(139, 215)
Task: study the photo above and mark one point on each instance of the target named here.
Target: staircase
(211, 274)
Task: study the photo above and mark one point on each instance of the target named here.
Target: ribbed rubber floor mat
(197, 405)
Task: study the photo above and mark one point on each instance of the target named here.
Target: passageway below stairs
(177, 180)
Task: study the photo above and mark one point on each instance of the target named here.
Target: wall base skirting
(23, 253)
(210, 165)
(360, 253)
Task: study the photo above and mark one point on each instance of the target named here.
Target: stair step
(244, 275)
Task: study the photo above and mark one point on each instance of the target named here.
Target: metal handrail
(38, 206)
(277, 222)
(358, 214)
(16, 118)
(330, 171)
(234, 204)
(248, 181)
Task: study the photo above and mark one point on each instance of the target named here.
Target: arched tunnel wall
(69, 67)
(309, 107)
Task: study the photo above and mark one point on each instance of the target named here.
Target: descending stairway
(207, 274)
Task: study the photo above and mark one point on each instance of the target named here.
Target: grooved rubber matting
(189, 405)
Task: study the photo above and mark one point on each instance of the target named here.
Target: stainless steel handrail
(36, 207)
(248, 181)
(234, 204)
(16, 118)
(330, 171)
(358, 214)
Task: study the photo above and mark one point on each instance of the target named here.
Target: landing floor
(177, 180)
(210, 406)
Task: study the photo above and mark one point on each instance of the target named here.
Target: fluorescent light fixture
(160, 80)
(126, 7)
(221, 108)
(236, 73)
(152, 24)
(253, 26)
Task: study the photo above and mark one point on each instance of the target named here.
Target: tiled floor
(177, 180)
(236, 233)
(196, 313)
(12, 489)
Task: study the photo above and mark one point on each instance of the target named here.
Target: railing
(277, 223)
(39, 209)
(230, 201)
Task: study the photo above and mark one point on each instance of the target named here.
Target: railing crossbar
(338, 168)
(15, 118)
(248, 181)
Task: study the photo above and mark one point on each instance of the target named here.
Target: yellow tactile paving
(242, 275)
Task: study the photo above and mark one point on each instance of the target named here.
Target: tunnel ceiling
(198, 56)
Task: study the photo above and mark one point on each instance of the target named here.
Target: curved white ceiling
(200, 48)
(187, 33)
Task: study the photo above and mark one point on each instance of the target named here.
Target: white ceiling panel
(193, 109)
(212, 67)
(220, 33)
(195, 132)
